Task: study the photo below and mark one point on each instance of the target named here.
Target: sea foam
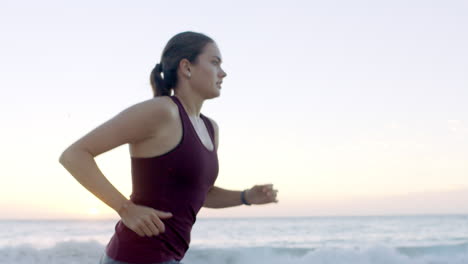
(87, 252)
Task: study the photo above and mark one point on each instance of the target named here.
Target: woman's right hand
(143, 220)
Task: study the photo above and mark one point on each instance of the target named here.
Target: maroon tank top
(175, 182)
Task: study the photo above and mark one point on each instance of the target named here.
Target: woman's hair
(186, 45)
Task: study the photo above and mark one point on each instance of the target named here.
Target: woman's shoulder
(160, 107)
(152, 114)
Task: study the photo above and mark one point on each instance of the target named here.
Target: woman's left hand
(261, 194)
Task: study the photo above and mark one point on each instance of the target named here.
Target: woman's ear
(184, 66)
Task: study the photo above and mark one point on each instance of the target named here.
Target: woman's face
(207, 75)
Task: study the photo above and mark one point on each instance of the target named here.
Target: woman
(173, 151)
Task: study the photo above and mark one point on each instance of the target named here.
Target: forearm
(84, 169)
(221, 198)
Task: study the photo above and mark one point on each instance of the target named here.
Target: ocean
(430, 239)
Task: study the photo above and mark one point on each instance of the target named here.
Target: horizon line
(244, 217)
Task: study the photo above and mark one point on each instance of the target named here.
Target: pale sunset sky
(347, 107)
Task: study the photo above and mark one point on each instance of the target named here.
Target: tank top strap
(209, 125)
(185, 118)
(182, 112)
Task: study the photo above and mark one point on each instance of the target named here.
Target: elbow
(66, 156)
(62, 157)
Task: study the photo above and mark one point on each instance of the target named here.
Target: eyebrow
(218, 58)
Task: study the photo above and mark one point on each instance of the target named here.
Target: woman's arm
(132, 125)
(221, 198)
(81, 164)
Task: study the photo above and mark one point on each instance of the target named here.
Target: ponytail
(158, 83)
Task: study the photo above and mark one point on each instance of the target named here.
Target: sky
(347, 107)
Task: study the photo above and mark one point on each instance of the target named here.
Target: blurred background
(347, 107)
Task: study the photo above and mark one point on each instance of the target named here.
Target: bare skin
(151, 128)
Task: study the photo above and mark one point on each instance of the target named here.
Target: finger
(138, 231)
(151, 226)
(270, 196)
(164, 215)
(145, 229)
(159, 224)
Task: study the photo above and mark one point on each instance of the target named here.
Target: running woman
(173, 152)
